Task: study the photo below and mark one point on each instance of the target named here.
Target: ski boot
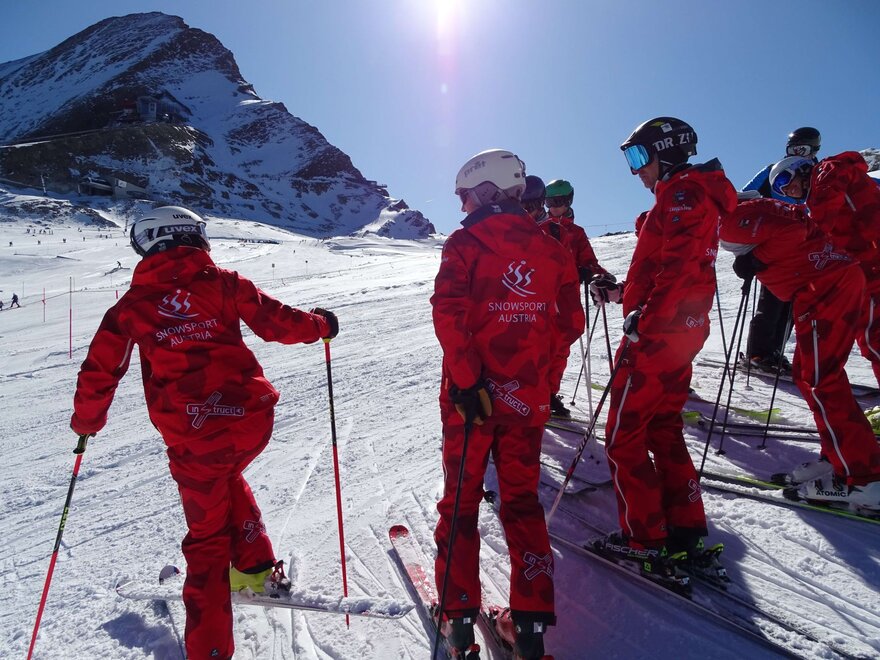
(557, 407)
(831, 491)
(688, 551)
(804, 472)
(459, 634)
(524, 633)
(268, 579)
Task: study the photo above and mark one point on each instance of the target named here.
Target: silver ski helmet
(167, 227)
(490, 176)
(787, 169)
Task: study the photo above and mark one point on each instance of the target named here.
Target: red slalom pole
(336, 474)
(79, 451)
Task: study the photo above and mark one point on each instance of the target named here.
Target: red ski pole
(80, 449)
(336, 473)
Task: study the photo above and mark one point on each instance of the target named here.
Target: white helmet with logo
(788, 168)
(167, 227)
(490, 173)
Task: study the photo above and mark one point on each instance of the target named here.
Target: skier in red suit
(797, 262)
(844, 202)
(666, 299)
(207, 396)
(504, 298)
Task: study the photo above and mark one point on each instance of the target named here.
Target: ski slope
(126, 518)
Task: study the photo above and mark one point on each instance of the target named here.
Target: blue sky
(410, 89)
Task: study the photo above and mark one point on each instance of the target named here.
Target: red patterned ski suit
(574, 238)
(827, 290)
(672, 279)
(845, 203)
(207, 396)
(505, 297)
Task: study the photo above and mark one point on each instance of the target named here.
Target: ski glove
(604, 288)
(331, 319)
(631, 325)
(746, 266)
(473, 404)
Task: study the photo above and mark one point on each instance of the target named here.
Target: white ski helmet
(168, 227)
(786, 169)
(490, 173)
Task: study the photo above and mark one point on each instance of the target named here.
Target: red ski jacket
(183, 313)
(505, 298)
(672, 273)
(575, 239)
(796, 252)
(844, 202)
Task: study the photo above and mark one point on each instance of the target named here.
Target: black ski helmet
(535, 189)
(671, 139)
(805, 136)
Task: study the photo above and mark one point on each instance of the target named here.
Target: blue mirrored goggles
(637, 157)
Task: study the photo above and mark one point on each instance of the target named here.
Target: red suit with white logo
(672, 280)
(505, 296)
(826, 288)
(844, 202)
(574, 238)
(207, 396)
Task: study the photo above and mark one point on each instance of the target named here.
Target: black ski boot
(688, 551)
(459, 634)
(557, 407)
(654, 561)
(524, 632)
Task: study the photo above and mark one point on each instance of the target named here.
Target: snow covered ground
(822, 571)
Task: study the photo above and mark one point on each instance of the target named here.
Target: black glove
(584, 274)
(473, 404)
(631, 325)
(604, 288)
(331, 319)
(746, 266)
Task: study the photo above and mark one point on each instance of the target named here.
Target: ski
(781, 496)
(859, 389)
(733, 427)
(413, 566)
(172, 590)
(741, 624)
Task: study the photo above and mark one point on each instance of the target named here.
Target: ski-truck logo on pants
(695, 490)
(517, 281)
(537, 565)
(201, 411)
(253, 528)
(505, 393)
(821, 259)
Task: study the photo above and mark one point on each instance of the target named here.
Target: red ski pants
(647, 397)
(825, 322)
(225, 528)
(516, 452)
(868, 337)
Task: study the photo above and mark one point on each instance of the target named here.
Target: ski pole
(453, 527)
(336, 474)
(607, 339)
(79, 451)
(738, 326)
(583, 361)
(589, 361)
(763, 444)
(749, 361)
(720, 317)
(589, 432)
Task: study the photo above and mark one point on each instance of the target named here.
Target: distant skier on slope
(767, 329)
(14, 301)
(666, 300)
(844, 202)
(207, 396)
(559, 223)
(777, 243)
(505, 297)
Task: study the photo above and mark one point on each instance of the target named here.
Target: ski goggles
(637, 157)
(804, 150)
(556, 202)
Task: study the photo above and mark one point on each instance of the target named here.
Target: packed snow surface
(125, 521)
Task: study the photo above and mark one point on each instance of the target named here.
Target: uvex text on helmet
(671, 139)
(498, 167)
(167, 227)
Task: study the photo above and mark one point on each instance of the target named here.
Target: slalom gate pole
(583, 360)
(453, 528)
(763, 444)
(607, 339)
(79, 451)
(336, 475)
(738, 326)
(589, 432)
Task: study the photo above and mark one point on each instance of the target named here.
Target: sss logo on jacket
(515, 280)
(174, 308)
